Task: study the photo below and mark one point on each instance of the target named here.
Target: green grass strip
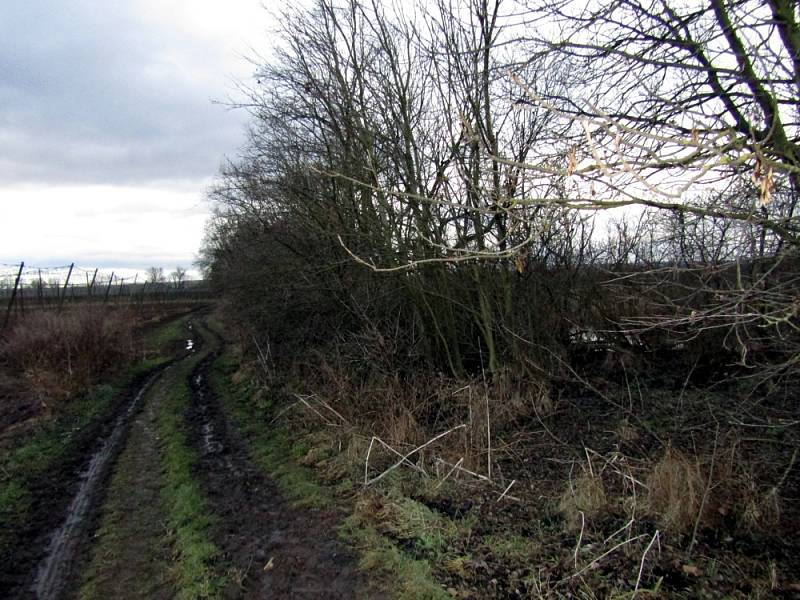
(272, 448)
(188, 513)
(277, 452)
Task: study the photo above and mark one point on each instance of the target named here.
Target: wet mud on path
(275, 550)
(55, 569)
(71, 498)
(129, 550)
(67, 502)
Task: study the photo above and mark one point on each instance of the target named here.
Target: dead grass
(585, 494)
(762, 511)
(626, 492)
(675, 491)
(405, 413)
(57, 354)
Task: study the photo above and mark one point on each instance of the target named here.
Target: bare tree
(156, 275)
(177, 277)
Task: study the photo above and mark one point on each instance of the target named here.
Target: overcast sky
(108, 132)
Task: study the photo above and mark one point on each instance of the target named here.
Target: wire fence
(25, 288)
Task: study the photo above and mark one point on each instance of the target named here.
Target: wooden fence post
(90, 292)
(22, 298)
(66, 284)
(13, 294)
(41, 290)
(108, 287)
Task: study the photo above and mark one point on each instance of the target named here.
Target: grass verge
(187, 511)
(285, 456)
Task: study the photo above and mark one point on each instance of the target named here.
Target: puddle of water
(52, 571)
(210, 445)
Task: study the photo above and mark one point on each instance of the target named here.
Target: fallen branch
(459, 468)
(314, 410)
(405, 457)
(602, 556)
(503, 495)
(580, 538)
(450, 472)
(641, 566)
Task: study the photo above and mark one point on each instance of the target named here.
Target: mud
(54, 571)
(129, 558)
(272, 549)
(276, 551)
(55, 493)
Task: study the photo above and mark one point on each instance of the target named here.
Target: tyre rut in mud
(275, 550)
(68, 497)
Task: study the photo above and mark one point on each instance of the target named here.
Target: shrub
(60, 354)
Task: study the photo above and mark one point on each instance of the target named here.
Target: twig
(390, 449)
(328, 406)
(476, 476)
(408, 462)
(513, 481)
(705, 494)
(366, 460)
(450, 472)
(602, 556)
(415, 450)
(488, 439)
(782, 480)
(621, 529)
(488, 420)
(467, 471)
(314, 410)
(262, 358)
(589, 462)
(641, 566)
(284, 411)
(580, 538)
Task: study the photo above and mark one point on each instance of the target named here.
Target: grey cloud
(91, 94)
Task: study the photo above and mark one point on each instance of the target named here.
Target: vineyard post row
(25, 290)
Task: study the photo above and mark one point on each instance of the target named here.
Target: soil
(727, 561)
(53, 492)
(130, 557)
(275, 550)
(118, 550)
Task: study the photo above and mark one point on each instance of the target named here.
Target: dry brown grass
(682, 498)
(675, 491)
(405, 413)
(517, 397)
(58, 354)
(585, 494)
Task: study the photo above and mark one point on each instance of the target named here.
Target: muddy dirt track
(279, 551)
(111, 540)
